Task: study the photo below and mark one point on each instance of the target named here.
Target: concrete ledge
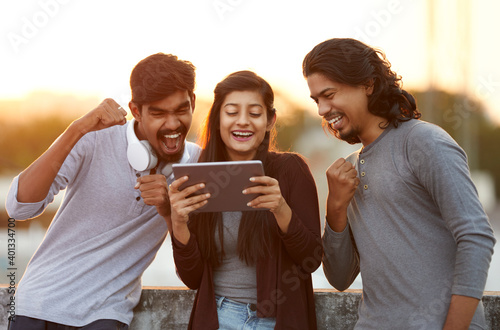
(167, 308)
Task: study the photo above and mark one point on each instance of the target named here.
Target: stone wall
(162, 308)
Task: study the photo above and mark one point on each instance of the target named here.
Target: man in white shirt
(86, 274)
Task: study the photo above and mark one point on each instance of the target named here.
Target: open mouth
(171, 142)
(335, 121)
(242, 135)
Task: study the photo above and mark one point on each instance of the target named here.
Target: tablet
(224, 181)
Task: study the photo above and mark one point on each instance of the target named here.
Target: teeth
(172, 136)
(176, 144)
(244, 134)
(334, 120)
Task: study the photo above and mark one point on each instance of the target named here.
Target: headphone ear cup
(140, 154)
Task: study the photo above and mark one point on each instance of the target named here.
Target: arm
(441, 167)
(35, 181)
(342, 184)
(297, 214)
(341, 259)
(187, 256)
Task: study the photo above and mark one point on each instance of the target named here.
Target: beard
(351, 136)
(175, 157)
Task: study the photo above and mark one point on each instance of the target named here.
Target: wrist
(337, 218)
(180, 231)
(78, 128)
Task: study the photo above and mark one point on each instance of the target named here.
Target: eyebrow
(180, 106)
(238, 104)
(323, 92)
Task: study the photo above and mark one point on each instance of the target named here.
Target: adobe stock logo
(225, 6)
(222, 179)
(381, 19)
(31, 26)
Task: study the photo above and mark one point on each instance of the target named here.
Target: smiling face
(243, 124)
(165, 124)
(345, 109)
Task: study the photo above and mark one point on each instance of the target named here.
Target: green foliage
(21, 142)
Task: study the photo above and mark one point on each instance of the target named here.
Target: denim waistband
(219, 300)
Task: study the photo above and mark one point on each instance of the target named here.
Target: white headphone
(140, 154)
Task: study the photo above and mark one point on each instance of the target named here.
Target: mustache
(181, 130)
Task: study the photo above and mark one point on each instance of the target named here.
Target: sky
(88, 48)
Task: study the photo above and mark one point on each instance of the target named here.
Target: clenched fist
(342, 183)
(106, 114)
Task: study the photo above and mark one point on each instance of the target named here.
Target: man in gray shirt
(113, 219)
(402, 210)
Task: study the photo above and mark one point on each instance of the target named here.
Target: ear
(193, 101)
(369, 87)
(134, 109)
(271, 123)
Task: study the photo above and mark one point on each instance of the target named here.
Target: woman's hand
(270, 198)
(182, 204)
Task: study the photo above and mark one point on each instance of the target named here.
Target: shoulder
(191, 146)
(428, 142)
(193, 151)
(422, 134)
(115, 133)
(421, 129)
(287, 162)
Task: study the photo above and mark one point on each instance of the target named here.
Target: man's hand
(106, 114)
(154, 191)
(460, 312)
(342, 180)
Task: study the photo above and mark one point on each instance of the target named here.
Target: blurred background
(60, 58)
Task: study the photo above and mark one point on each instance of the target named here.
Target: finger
(174, 186)
(186, 206)
(194, 207)
(346, 167)
(265, 180)
(260, 200)
(192, 189)
(150, 181)
(258, 203)
(159, 195)
(198, 198)
(113, 113)
(263, 190)
(338, 163)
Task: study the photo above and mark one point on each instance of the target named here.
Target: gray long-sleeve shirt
(419, 229)
(90, 263)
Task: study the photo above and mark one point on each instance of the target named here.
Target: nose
(171, 122)
(323, 108)
(243, 118)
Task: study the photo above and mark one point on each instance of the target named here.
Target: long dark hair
(255, 238)
(349, 61)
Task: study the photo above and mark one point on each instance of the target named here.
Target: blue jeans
(240, 316)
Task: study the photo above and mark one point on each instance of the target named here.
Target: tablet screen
(225, 182)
